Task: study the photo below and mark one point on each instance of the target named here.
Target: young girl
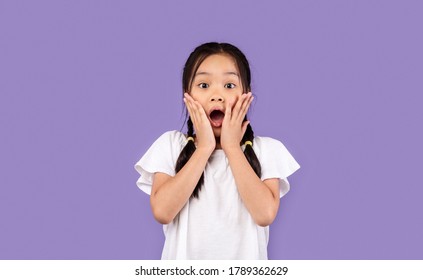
(216, 190)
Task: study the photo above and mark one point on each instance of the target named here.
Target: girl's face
(216, 84)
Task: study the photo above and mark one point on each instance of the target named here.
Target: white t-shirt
(216, 225)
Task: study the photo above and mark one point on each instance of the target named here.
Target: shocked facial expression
(216, 84)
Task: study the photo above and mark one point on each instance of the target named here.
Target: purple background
(87, 86)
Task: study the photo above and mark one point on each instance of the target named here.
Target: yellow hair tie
(248, 143)
(190, 139)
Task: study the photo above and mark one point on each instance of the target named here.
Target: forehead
(217, 63)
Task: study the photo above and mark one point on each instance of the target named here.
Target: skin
(216, 85)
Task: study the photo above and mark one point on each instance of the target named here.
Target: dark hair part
(191, 66)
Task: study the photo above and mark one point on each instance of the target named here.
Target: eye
(203, 85)
(230, 85)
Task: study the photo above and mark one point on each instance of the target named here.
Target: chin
(217, 131)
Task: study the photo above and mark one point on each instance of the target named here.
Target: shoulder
(174, 134)
(264, 139)
(160, 157)
(169, 143)
(165, 150)
(274, 157)
(173, 138)
(264, 144)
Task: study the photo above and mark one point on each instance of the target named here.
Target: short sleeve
(160, 157)
(276, 161)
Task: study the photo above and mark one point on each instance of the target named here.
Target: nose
(217, 94)
(216, 98)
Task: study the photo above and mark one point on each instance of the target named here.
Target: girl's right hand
(203, 129)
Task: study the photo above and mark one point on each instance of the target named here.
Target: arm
(261, 198)
(169, 194)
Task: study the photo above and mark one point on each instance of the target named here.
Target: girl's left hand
(233, 127)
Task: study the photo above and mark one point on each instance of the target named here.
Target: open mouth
(216, 117)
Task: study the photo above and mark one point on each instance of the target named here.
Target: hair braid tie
(248, 143)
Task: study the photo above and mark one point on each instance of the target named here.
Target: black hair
(191, 66)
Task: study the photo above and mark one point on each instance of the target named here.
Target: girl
(216, 190)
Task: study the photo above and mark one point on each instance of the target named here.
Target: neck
(218, 146)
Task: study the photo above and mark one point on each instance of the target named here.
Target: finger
(200, 114)
(191, 103)
(248, 104)
(244, 127)
(197, 108)
(238, 106)
(228, 112)
(186, 102)
(191, 111)
(187, 96)
(244, 107)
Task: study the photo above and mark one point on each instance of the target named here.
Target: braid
(190, 128)
(249, 152)
(189, 149)
(186, 154)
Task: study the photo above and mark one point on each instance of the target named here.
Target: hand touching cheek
(202, 127)
(233, 126)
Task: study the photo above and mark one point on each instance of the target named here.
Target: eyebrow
(226, 73)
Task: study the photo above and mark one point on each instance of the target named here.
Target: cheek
(233, 100)
(196, 96)
(200, 99)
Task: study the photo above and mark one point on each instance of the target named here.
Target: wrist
(231, 148)
(208, 150)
